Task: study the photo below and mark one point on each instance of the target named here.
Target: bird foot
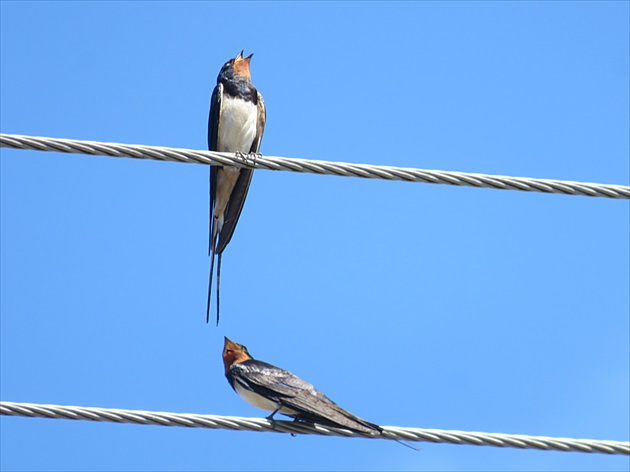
(249, 158)
(272, 420)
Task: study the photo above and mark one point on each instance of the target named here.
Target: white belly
(237, 131)
(259, 401)
(237, 127)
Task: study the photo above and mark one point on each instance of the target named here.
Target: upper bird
(279, 391)
(236, 124)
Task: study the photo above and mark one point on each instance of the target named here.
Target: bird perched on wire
(236, 124)
(279, 391)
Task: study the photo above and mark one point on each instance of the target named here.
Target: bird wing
(260, 123)
(213, 145)
(292, 392)
(234, 208)
(216, 103)
(237, 199)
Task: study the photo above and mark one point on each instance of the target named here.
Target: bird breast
(237, 125)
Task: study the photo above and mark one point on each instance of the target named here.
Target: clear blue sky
(408, 304)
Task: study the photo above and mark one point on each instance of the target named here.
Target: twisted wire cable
(264, 425)
(344, 169)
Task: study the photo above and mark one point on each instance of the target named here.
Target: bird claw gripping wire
(249, 158)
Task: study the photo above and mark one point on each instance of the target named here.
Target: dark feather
(213, 133)
(234, 208)
(292, 392)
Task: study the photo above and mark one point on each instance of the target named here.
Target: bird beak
(229, 344)
(241, 65)
(241, 58)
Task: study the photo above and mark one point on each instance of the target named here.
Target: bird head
(237, 67)
(234, 353)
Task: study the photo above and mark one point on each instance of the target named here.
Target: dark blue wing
(213, 138)
(290, 391)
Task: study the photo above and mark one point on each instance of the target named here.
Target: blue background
(408, 304)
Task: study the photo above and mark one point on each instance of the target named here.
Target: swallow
(236, 124)
(279, 391)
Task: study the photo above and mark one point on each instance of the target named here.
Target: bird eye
(228, 351)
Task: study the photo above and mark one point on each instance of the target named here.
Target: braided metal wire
(263, 424)
(344, 169)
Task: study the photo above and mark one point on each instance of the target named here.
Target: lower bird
(274, 389)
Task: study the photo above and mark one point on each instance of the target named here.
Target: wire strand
(344, 169)
(264, 425)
